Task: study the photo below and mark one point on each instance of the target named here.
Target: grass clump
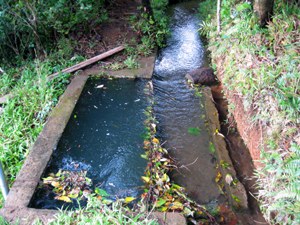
(97, 212)
(24, 114)
(262, 68)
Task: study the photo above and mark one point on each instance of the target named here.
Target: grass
(262, 68)
(97, 213)
(25, 113)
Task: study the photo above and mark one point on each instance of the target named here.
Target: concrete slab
(144, 71)
(170, 218)
(16, 204)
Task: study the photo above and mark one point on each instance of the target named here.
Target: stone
(203, 76)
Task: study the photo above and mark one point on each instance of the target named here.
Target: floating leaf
(55, 184)
(129, 199)
(101, 192)
(155, 140)
(146, 142)
(146, 179)
(212, 148)
(144, 156)
(194, 130)
(73, 195)
(63, 198)
(188, 212)
(166, 178)
(225, 165)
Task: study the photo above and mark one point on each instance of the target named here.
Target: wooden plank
(88, 62)
(78, 66)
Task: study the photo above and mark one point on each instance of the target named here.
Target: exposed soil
(115, 31)
(239, 153)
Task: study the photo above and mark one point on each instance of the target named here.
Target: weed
(265, 76)
(131, 63)
(24, 115)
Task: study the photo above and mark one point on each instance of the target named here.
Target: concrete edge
(236, 193)
(145, 71)
(16, 205)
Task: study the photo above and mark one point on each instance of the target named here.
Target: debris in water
(100, 86)
(111, 184)
(67, 184)
(137, 100)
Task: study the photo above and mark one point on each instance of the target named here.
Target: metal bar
(3, 182)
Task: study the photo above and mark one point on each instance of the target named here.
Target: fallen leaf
(146, 179)
(129, 199)
(63, 198)
(160, 203)
(155, 140)
(55, 184)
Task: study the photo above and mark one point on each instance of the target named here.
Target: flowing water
(103, 136)
(178, 108)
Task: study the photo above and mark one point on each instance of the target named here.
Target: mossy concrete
(16, 207)
(18, 199)
(236, 193)
(145, 69)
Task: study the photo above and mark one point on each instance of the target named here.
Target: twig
(189, 164)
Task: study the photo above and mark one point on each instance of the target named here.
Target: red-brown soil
(115, 31)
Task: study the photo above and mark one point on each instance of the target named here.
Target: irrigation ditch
(188, 168)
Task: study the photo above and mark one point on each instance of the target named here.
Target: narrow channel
(178, 109)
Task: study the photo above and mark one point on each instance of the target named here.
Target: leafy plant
(265, 76)
(131, 63)
(29, 29)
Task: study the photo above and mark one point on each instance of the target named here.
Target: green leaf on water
(144, 156)
(194, 130)
(212, 148)
(101, 192)
(198, 93)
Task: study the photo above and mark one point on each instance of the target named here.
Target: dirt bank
(238, 151)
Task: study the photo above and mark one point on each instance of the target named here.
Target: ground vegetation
(260, 71)
(42, 38)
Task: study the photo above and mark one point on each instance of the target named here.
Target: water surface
(178, 108)
(103, 136)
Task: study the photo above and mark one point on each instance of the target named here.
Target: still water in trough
(103, 136)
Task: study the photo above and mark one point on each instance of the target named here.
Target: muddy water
(178, 108)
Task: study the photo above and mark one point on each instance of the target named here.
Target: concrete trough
(16, 205)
